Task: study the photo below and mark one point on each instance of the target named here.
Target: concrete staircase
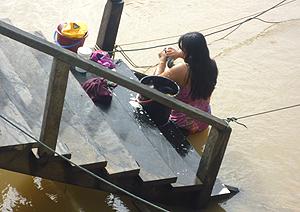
(115, 142)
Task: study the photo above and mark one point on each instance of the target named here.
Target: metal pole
(110, 24)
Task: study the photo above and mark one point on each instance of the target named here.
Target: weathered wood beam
(54, 106)
(95, 68)
(211, 160)
(60, 170)
(55, 168)
(110, 24)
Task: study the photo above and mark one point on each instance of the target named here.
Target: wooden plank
(27, 90)
(56, 91)
(179, 155)
(25, 162)
(72, 58)
(92, 126)
(153, 169)
(211, 160)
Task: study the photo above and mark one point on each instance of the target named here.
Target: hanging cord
(130, 61)
(205, 29)
(255, 16)
(238, 26)
(218, 31)
(234, 119)
(268, 22)
(119, 49)
(247, 20)
(83, 169)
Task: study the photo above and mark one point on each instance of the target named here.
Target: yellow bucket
(70, 39)
(74, 30)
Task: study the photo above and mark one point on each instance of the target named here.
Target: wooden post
(54, 105)
(110, 24)
(211, 160)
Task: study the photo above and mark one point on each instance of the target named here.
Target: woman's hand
(173, 53)
(162, 63)
(162, 56)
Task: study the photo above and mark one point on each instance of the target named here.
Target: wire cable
(83, 169)
(238, 26)
(201, 30)
(269, 22)
(268, 111)
(119, 49)
(131, 62)
(234, 119)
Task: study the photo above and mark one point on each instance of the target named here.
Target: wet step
(180, 143)
(27, 91)
(11, 137)
(91, 124)
(153, 169)
(179, 155)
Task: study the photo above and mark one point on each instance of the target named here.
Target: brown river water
(259, 70)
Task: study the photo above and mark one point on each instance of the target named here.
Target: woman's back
(185, 122)
(197, 77)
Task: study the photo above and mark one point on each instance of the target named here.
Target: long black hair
(202, 70)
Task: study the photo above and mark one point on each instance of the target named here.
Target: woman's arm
(162, 63)
(177, 73)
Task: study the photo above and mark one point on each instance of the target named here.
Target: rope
(268, 22)
(238, 26)
(83, 169)
(283, 2)
(119, 49)
(255, 16)
(234, 119)
(130, 61)
(205, 29)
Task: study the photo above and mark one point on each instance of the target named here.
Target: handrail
(90, 66)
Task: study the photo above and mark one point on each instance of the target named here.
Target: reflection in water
(26, 193)
(115, 203)
(38, 183)
(12, 199)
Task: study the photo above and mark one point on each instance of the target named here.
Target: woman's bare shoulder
(178, 73)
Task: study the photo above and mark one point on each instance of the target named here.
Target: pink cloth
(103, 58)
(183, 120)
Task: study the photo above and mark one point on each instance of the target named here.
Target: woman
(196, 77)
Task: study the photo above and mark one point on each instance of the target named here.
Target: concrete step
(26, 87)
(12, 91)
(90, 123)
(153, 170)
(181, 158)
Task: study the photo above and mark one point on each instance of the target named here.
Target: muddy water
(258, 71)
